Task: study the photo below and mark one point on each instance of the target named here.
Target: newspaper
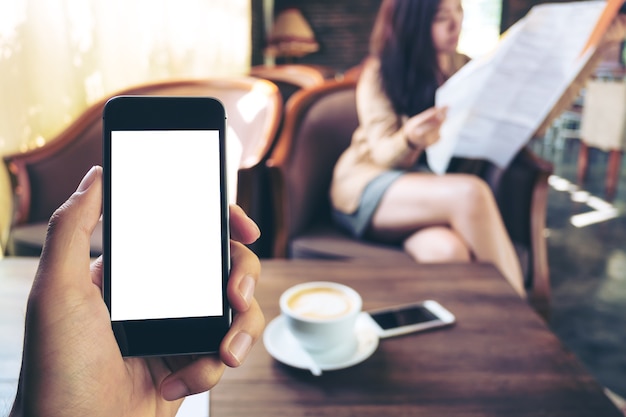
(496, 102)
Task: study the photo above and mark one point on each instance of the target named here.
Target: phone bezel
(177, 335)
(443, 318)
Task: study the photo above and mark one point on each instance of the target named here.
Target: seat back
(290, 77)
(44, 178)
(354, 73)
(318, 127)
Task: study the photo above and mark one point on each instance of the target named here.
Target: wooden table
(500, 359)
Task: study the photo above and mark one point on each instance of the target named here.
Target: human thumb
(65, 256)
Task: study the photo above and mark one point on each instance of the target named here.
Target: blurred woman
(380, 190)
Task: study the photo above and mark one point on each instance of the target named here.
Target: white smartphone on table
(410, 318)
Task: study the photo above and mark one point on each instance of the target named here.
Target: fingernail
(258, 230)
(87, 180)
(174, 390)
(251, 220)
(256, 226)
(240, 346)
(246, 289)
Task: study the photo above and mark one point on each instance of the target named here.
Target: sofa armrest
(522, 196)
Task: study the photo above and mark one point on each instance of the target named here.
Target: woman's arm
(383, 129)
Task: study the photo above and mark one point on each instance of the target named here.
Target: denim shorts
(357, 223)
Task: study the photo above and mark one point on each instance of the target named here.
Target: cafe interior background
(59, 56)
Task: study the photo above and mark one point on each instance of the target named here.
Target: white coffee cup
(320, 314)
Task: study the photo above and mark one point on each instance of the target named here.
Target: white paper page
(497, 102)
(459, 94)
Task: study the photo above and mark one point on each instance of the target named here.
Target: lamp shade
(291, 35)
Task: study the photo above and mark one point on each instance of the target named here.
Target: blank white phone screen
(166, 259)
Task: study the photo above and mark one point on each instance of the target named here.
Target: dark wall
(342, 27)
(514, 10)
(258, 32)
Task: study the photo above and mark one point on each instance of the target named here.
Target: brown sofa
(44, 178)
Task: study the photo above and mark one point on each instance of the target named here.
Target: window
(481, 26)
(59, 56)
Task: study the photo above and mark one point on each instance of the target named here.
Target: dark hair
(402, 41)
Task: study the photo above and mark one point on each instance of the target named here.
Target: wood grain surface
(499, 359)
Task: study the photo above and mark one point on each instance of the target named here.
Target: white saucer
(281, 344)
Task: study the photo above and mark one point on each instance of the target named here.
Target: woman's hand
(422, 130)
(71, 364)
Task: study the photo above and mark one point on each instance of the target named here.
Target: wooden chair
(290, 77)
(353, 73)
(318, 126)
(603, 126)
(44, 178)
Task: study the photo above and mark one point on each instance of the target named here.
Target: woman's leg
(416, 202)
(436, 244)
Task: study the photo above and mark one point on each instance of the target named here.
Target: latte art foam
(320, 303)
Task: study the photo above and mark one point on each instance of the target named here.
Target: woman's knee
(437, 245)
(474, 195)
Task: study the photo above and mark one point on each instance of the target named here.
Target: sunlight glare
(252, 103)
(481, 27)
(13, 14)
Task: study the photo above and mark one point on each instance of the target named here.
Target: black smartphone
(165, 224)
(410, 318)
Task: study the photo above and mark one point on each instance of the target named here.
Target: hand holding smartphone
(165, 217)
(410, 318)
